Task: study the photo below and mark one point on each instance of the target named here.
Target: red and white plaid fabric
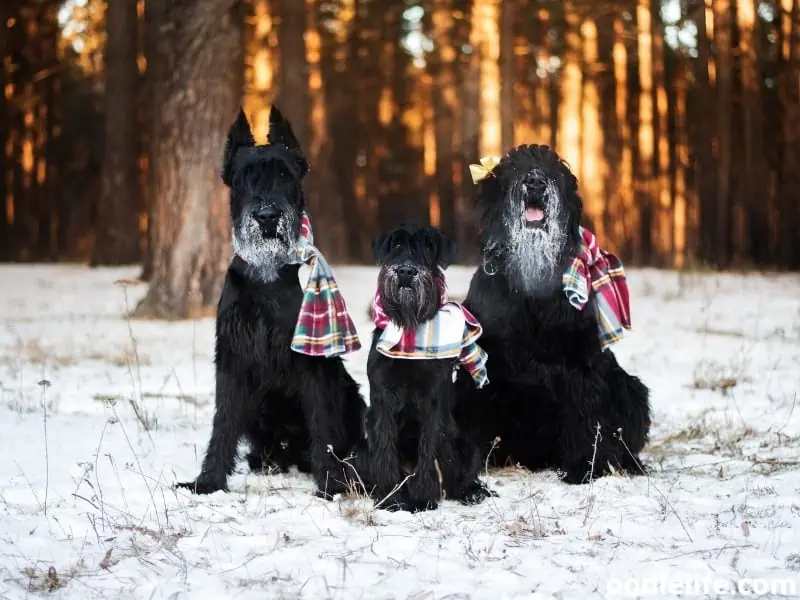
(594, 269)
(451, 333)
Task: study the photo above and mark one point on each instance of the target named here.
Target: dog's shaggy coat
(288, 406)
(556, 398)
(410, 425)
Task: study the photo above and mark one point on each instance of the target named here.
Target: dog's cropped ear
(448, 250)
(239, 136)
(381, 246)
(280, 132)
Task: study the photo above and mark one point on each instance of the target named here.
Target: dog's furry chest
(255, 326)
(409, 380)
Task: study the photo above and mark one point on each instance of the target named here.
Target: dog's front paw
(202, 486)
(476, 493)
(422, 505)
(328, 487)
(576, 475)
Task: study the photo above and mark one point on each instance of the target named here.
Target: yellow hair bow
(484, 169)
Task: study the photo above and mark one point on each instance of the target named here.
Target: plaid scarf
(602, 271)
(324, 327)
(451, 333)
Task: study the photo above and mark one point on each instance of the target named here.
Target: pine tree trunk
(569, 109)
(445, 99)
(645, 182)
(470, 130)
(662, 219)
(789, 188)
(508, 14)
(593, 163)
(486, 27)
(686, 210)
(754, 171)
(723, 25)
(703, 132)
(626, 224)
(5, 159)
(322, 204)
(293, 95)
(197, 85)
(117, 238)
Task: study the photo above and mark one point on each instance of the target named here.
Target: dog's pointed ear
(380, 247)
(280, 132)
(239, 136)
(448, 251)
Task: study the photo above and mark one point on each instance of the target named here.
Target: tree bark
(645, 181)
(789, 187)
(723, 34)
(508, 14)
(444, 107)
(568, 140)
(197, 82)
(626, 223)
(593, 162)
(117, 226)
(753, 173)
(663, 254)
(293, 95)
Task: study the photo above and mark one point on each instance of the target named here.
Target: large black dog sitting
(280, 383)
(550, 301)
(418, 342)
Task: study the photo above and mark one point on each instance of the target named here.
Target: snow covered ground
(87, 462)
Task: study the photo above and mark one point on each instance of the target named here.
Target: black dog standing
(280, 383)
(419, 340)
(550, 302)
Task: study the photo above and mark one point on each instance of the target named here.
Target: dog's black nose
(267, 215)
(405, 274)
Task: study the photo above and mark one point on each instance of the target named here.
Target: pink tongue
(534, 214)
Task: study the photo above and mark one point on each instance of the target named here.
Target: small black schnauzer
(289, 406)
(410, 425)
(557, 398)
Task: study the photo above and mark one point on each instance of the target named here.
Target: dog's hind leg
(460, 463)
(629, 401)
(324, 434)
(226, 430)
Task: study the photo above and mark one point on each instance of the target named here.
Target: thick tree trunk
(197, 83)
(117, 237)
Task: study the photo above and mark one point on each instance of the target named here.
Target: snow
(87, 509)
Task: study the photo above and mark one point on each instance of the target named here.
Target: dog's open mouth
(534, 215)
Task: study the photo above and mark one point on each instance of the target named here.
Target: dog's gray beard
(264, 257)
(534, 259)
(408, 307)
